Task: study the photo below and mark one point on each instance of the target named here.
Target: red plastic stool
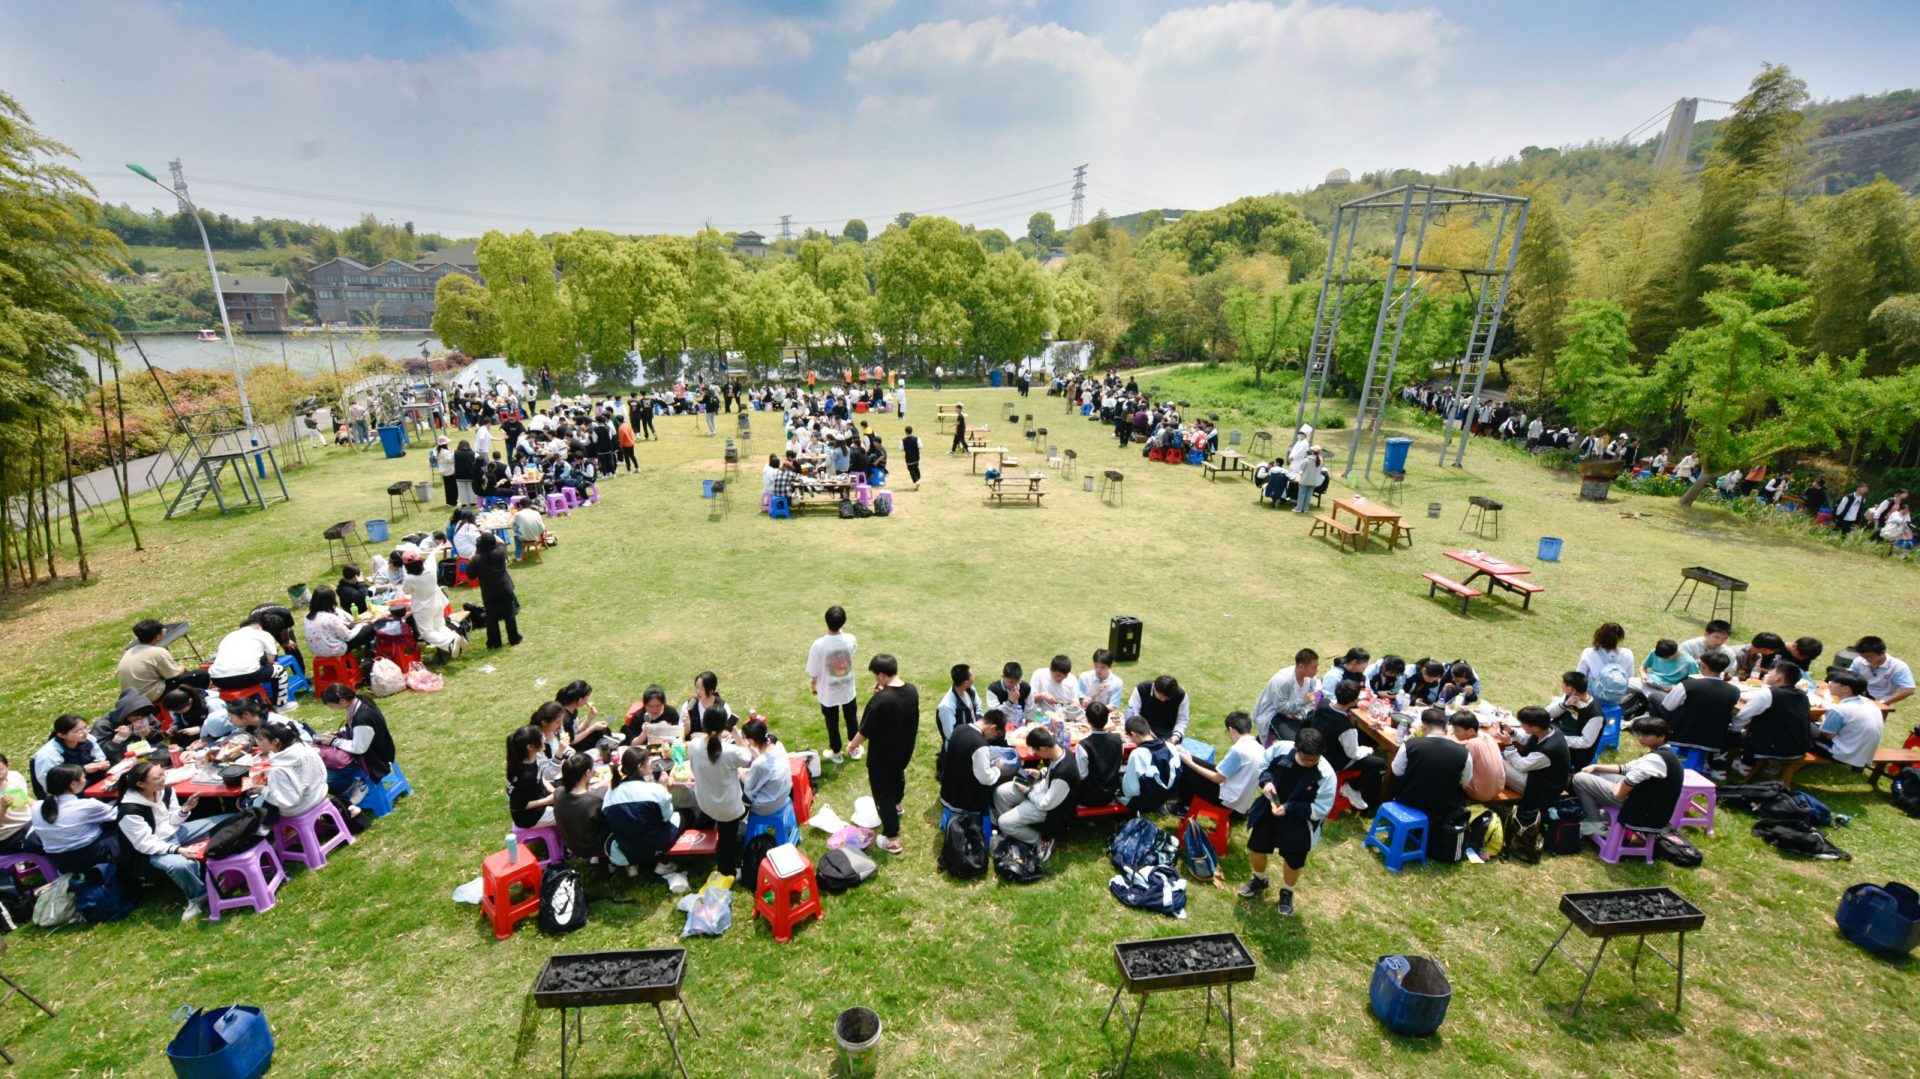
(1215, 820)
(786, 901)
(401, 648)
(331, 670)
(802, 789)
(497, 877)
(1340, 803)
(255, 690)
(461, 578)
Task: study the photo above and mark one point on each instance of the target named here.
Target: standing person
(959, 430)
(1298, 794)
(891, 722)
(710, 404)
(442, 459)
(1308, 480)
(830, 679)
(939, 377)
(466, 471)
(900, 398)
(489, 567)
(645, 419)
(910, 452)
(626, 446)
(1850, 510)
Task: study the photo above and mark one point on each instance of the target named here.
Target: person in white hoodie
(1307, 476)
(297, 780)
(154, 823)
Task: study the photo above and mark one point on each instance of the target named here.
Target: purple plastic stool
(553, 849)
(864, 494)
(593, 494)
(258, 867)
(1699, 803)
(557, 505)
(572, 496)
(23, 862)
(297, 839)
(1614, 844)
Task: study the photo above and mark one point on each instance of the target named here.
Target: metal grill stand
(1580, 909)
(545, 995)
(1143, 986)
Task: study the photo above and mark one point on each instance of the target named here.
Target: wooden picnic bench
(1437, 581)
(996, 492)
(1521, 587)
(1347, 536)
(1883, 761)
(1225, 461)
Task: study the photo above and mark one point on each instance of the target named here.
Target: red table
(103, 789)
(1499, 572)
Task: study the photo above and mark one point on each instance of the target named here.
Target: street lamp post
(239, 375)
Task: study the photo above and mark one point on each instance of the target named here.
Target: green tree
(597, 283)
(1009, 309)
(1041, 230)
(1267, 327)
(715, 291)
(1206, 239)
(1594, 379)
(662, 294)
(1861, 260)
(1076, 303)
(534, 324)
(463, 316)
(1543, 279)
(855, 230)
(841, 277)
(923, 276)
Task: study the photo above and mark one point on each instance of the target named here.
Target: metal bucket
(861, 1055)
(297, 593)
(423, 491)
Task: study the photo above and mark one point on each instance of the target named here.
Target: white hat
(410, 552)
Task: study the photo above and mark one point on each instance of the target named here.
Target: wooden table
(1230, 461)
(1031, 493)
(1499, 573)
(1369, 516)
(999, 454)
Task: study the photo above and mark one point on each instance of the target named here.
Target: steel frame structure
(1412, 207)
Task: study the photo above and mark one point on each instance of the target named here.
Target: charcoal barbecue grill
(1627, 912)
(583, 980)
(1723, 587)
(1201, 961)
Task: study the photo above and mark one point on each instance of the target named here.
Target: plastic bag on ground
(710, 913)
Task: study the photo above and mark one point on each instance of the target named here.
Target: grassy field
(368, 968)
(238, 260)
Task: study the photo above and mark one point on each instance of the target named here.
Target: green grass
(255, 260)
(367, 968)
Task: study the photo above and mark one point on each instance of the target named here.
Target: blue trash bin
(377, 530)
(1550, 548)
(225, 1043)
(1397, 454)
(394, 441)
(993, 378)
(1410, 994)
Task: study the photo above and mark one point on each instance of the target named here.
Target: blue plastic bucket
(1397, 454)
(1410, 994)
(225, 1043)
(706, 488)
(1550, 548)
(377, 530)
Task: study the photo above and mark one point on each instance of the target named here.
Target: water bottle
(513, 850)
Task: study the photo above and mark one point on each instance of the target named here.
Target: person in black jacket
(1100, 754)
(969, 769)
(1645, 789)
(890, 724)
(1433, 770)
(1286, 821)
(363, 734)
(1539, 762)
(466, 473)
(489, 567)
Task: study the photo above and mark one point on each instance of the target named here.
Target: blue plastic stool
(878, 478)
(296, 678)
(1695, 759)
(382, 793)
(1405, 841)
(986, 822)
(783, 824)
(779, 508)
(1610, 729)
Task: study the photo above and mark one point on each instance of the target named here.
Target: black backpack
(1906, 791)
(100, 895)
(846, 510)
(1799, 837)
(752, 853)
(963, 849)
(860, 510)
(1447, 838)
(563, 905)
(1676, 848)
(842, 870)
(1017, 862)
(235, 834)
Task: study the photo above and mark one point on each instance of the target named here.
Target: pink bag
(421, 680)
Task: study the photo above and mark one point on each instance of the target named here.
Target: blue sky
(466, 114)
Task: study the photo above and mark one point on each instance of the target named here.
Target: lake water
(305, 353)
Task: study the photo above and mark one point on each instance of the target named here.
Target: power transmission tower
(1078, 215)
(786, 226)
(179, 181)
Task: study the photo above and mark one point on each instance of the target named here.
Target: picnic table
(1368, 517)
(999, 491)
(1497, 572)
(812, 489)
(1229, 461)
(999, 454)
(189, 787)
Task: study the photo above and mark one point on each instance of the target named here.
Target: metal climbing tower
(1411, 209)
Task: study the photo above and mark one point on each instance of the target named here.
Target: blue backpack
(1156, 888)
(1140, 843)
(1201, 861)
(97, 895)
(1816, 809)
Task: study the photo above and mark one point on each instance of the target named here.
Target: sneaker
(633, 871)
(1590, 828)
(662, 869)
(1353, 798)
(889, 844)
(194, 910)
(677, 884)
(1285, 907)
(288, 708)
(1046, 850)
(859, 752)
(835, 757)
(1252, 888)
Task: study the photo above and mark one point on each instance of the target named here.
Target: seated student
(641, 821)
(1713, 640)
(246, 657)
(768, 783)
(1699, 710)
(75, 832)
(650, 720)
(716, 764)
(1425, 684)
(1803, 651)
(329, 634)
(1539, 763)
(1850, 733)
(71, 743)
(148, 667)
(1055, 685)
(363, 737)
(1230, 782)
(1288, 698)
(706, 695)
(154, 827)
(529, 798)
(1645, 789)
(1297, 786)
(1099, 756)
(1345, 751)
(1012, 696)
(1164, 706)
(351, 591)
(1434, 770)
(1579, 718)
(1101, 684)
(959, 707)
(1889, 680)
(16, 808)
(389, 574)
(1462, 686)
(1665, 667)
(1034, 808)
(528, 529)
(245, 717)
(578, 810)
(1777, 721)
(130, 720)
(970, 768)
(297, 780)
(1350, 667)
(1754, 659)
(1489, 771)
(1147, 778)
(577, 697)
(190, 709)
(1387, 676)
